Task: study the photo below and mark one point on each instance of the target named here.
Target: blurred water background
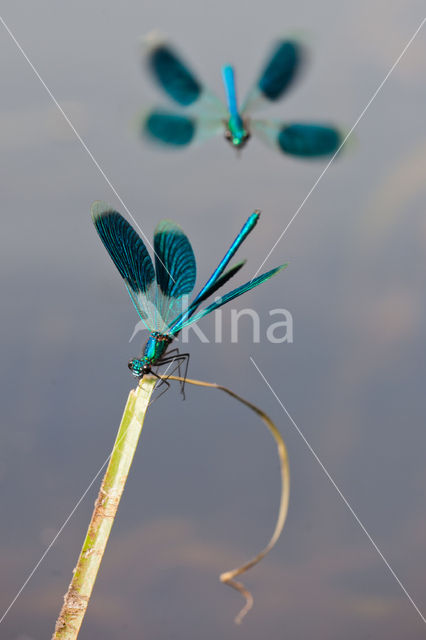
(203, 490)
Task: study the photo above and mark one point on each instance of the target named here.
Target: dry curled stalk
(228, 577)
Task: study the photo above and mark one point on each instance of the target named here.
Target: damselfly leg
(179, 358)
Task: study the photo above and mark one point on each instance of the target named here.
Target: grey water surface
(203, 492)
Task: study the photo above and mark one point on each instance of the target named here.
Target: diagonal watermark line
(36, 566)
(342, 144)
(313, 452)
(64, 524)
(82, 142)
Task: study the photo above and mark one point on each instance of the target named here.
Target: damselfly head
(138, 367)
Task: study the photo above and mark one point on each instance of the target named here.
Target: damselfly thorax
(237, 131)
(155, 348)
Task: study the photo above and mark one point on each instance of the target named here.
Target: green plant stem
(106, 505)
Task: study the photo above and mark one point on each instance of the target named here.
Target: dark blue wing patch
(309, 140)
(170, 129)
(281, 69)
(125, 247)
(173, 76)
(174, 260)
